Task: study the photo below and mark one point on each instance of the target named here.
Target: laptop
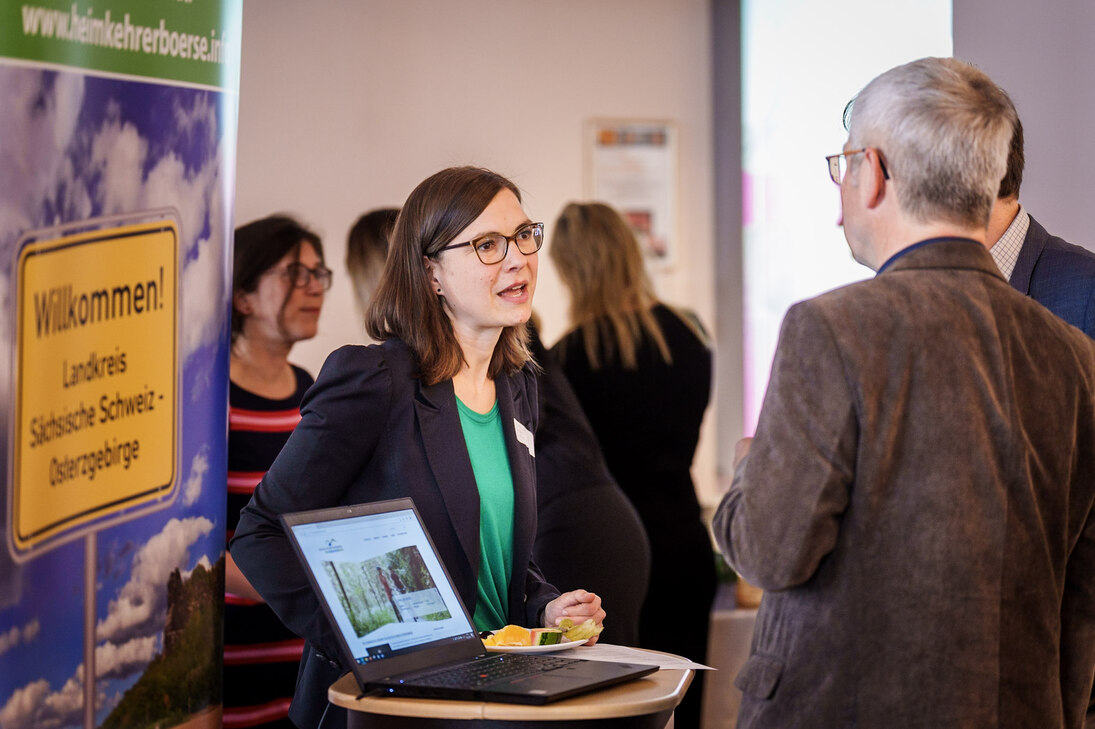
(401, 624)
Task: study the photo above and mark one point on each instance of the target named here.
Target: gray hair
(943, 128)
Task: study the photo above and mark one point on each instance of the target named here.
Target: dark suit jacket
(919, 505)
(1058, 275)
(370, 430)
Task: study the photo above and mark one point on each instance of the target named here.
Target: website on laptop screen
(383, 583)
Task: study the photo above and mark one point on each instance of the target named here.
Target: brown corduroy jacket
(919, 505)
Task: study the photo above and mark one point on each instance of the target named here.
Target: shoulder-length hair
(611, 297)
(258, 246)
(405, 305)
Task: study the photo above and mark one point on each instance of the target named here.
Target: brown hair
(405, 305)
(611, 297)
(1013, 178)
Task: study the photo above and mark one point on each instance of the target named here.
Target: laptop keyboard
(487, 671)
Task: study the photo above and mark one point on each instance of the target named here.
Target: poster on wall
(117, 169)
(632, 166)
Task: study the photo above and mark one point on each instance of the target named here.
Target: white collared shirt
(1006, 250)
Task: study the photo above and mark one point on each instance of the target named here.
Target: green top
(490, 464)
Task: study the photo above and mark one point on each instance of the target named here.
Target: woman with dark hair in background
(278, 284)
(642, 372)
(442, 411)
(366, 251)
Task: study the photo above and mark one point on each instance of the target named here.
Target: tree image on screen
(394, 587)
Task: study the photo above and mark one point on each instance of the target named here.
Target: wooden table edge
(655, 692)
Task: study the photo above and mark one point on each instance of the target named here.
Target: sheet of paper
(623, 654)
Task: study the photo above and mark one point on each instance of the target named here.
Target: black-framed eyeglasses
(299, 275)
(838, 164)
(493, 247)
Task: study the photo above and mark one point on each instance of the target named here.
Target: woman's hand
(579, 606)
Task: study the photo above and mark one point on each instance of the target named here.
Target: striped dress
(261, 656)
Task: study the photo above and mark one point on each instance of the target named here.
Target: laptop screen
(385, 588)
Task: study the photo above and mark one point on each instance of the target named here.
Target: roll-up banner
(117, 170)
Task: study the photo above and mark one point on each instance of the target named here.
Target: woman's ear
(431, 274)
(241, 302)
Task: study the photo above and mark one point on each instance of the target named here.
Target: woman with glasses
(278, 284)
(642, 372)
(442, 410)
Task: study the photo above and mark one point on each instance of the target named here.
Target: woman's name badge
(524, 435)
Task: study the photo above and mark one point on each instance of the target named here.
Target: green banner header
(194, 41)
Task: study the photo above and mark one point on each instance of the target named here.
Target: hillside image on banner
(117, 169)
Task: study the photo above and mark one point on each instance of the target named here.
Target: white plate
(565, 645)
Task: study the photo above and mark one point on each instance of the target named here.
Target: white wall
(1042, 54)
(347, 105)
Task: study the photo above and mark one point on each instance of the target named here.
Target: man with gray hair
(919, 500)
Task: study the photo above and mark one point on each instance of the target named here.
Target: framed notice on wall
(632, 166)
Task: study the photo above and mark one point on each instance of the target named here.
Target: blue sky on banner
(90, 147)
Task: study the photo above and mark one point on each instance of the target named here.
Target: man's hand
(741, 450)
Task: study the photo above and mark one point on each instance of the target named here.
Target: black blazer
(370, 430)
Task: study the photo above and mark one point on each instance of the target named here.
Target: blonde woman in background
(366, 251)
(642, 372)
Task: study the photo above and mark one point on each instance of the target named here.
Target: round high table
(643, 703)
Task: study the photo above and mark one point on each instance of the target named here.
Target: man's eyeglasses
(492, 248)
(299, 275)
(838, 164)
